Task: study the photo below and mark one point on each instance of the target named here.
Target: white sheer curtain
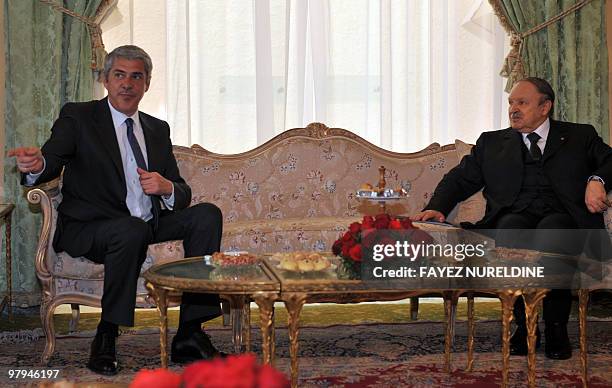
(231, 74)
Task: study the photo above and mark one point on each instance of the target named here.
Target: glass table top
(197, 274)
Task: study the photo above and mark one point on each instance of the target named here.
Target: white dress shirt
(137, 201)
(542, 130)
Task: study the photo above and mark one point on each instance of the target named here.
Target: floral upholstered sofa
(295, 192)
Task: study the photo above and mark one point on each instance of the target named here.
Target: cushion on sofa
(473, 208)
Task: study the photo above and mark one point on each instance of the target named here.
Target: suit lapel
(103, 124)
(512, 153)
(556, 138)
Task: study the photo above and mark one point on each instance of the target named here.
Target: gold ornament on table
(381, 193)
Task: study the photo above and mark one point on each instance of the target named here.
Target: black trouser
(121, 245)
(553, 232)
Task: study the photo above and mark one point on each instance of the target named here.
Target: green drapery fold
(571, 54)
(48, 63)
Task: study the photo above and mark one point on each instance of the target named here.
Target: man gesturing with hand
(121, 192)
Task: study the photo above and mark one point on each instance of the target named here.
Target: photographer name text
(459, 272)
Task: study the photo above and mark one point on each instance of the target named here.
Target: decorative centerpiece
(349, 246)
(381, 194)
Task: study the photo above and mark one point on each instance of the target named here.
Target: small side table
(6, 211)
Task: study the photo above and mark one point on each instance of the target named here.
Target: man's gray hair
(128, 52)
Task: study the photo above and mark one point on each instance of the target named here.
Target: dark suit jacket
(573, 152)
(83, 142)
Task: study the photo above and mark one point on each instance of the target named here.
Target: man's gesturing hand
(595, 197)
(29, 159)
(154, 184)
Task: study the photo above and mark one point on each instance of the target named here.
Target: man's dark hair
(545, 89)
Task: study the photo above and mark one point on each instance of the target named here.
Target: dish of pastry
(229, 259)
(301, 261)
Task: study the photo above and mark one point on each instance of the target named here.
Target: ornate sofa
(295, 192)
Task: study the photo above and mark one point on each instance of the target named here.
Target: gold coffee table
(238, 284)
(334, 286)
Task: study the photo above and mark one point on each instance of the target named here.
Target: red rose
(366, 233)
(382, 221)
(199, 373)
(347, 247)
(395, 224)
(355, 252)
(347, 237)
(161, 378)
(234, 371)
(407, 223)
(355, 228)
(367, 223)
(271, 378)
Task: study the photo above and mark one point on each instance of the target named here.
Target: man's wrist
(170, 192)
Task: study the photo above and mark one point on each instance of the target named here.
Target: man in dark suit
(539, 174)
(121, 192)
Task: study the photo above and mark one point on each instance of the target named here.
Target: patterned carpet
(366, 355)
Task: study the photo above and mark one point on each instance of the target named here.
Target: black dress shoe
(557, 346)
(518, 341)
(102, 359)
(193, 347)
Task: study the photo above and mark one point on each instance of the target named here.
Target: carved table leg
(507, 297)
(450, 312)
(583, 300)
(532, 299)
(470, 343)
(294, 303)
(265, 302)
(160, 296)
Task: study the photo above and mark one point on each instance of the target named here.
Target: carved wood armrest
(42, 196)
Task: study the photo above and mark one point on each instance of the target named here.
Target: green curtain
(571, 54)
(48, 62)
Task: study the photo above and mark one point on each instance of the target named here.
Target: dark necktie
(534, 150)
(140, 161)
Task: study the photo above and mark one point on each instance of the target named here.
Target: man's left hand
(154, 184)
(595, 197)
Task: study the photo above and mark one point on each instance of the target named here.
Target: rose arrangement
(349, 245)
(239, 371)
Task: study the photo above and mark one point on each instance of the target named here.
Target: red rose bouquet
(350, 244)
(239, 371)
